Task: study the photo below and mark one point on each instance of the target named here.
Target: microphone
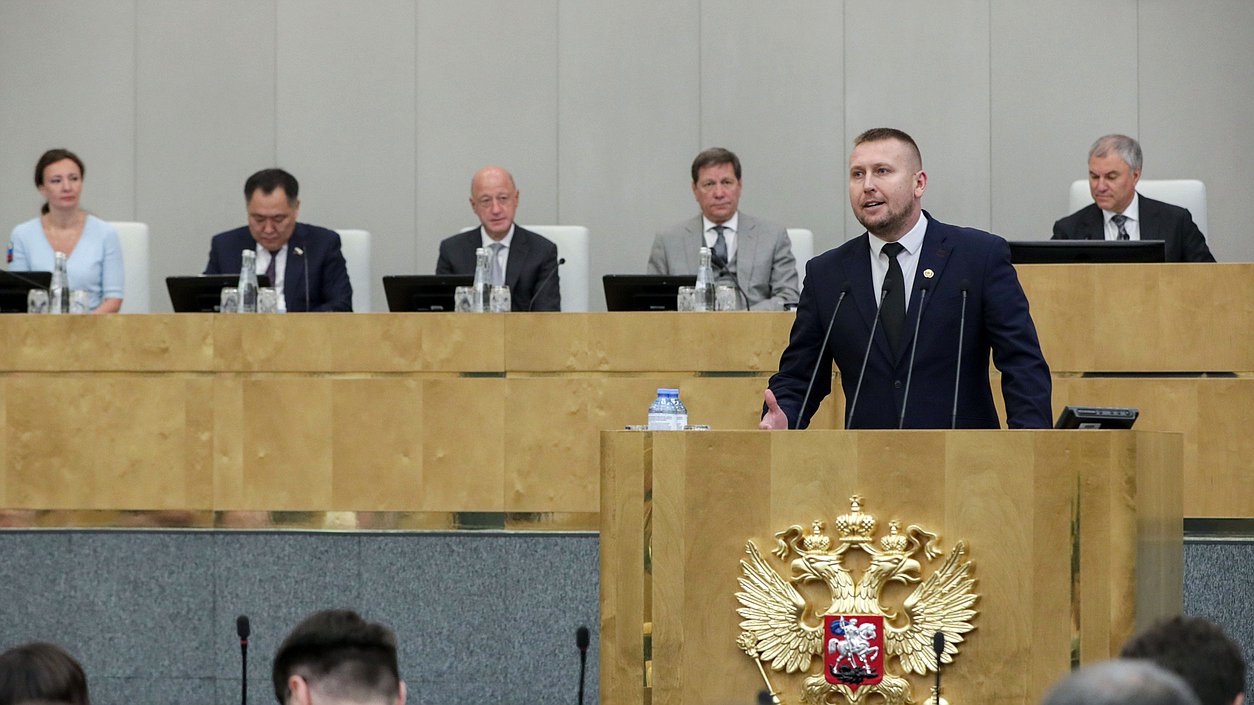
(866, 357)
(962, 325)
(938, 645)
(722, 264)
(547, 278)
(300, 252)
(243, 630)
(914, 346)
(581, 641)
(822, 349)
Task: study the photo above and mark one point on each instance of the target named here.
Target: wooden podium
(1074, 538)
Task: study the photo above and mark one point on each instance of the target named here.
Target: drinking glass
(230, 300)
(500, 301)
(37, 301)
(79, 300)
(267, 300)
(726, 298)
(687, 298)
(464, 299)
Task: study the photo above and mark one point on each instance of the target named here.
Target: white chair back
(1186, 193)
(133, 238)
(802, 249)
(356, 247)
(573, 245)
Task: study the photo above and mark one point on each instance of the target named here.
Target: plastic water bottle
(705, 281)
(59, 292)
(483, 270)
(660, 412)
(679, 411)
(248, 282)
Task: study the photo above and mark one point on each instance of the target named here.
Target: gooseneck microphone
(914, 346)
(582, 641)
(721, 265)
(547, 278)
(938, 645)
(243, 630)
(866, 357)
(818, 362)
(962, 326)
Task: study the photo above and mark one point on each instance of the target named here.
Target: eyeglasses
(709, 184)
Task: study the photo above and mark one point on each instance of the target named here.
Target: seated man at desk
(1120, 213)
(524, 261)
(304, 262)
(751, 254)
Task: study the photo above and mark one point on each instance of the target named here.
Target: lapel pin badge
(928, 274)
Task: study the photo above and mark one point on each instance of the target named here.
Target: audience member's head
(494, 198)
(1121, 682)
(41, 672)
(335, 657)
(1198, 651)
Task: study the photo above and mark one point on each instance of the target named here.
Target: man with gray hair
(1120, 213)
(1121, 682)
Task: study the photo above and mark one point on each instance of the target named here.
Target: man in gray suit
(753, 255)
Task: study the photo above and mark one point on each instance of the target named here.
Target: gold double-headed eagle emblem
(855, 636)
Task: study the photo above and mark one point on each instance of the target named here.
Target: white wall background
(384, 108)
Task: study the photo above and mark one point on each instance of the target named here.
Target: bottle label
(659, 422)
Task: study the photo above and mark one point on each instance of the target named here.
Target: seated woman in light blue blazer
(93, 254)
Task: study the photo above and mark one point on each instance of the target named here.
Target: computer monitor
(1088, 252)
(423, 292)
(14, 287)
(202, 293)
(644, 292)
(1103, 417)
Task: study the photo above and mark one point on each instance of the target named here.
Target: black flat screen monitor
(14, 286)
(1103, 417)
(423, 292)
(644, 292)
(202, 293)
(1088, 252)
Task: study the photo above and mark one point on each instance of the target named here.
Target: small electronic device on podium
(202, 293)
(15, 286)
(1088, 252)
(1100, 417)
(644, 292)
(423, 292)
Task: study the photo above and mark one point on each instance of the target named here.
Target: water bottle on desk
(705, 281)
(483, 289)
(59, 292)
(248, 282)
(680, 418)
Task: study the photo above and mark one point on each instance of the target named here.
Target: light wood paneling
(1016, 497)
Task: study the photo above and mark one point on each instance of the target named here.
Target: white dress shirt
(908, 259)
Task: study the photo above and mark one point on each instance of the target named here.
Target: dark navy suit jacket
(532, 262)
(315, 266)
(997, 320)
(1159, 221)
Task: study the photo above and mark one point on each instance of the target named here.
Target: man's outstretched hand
(774, 418)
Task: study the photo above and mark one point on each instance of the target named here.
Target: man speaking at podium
(963, 299)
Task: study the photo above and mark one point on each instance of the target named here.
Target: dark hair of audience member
(40, 671)
(51, 157)
(1198, 651)
(267, 180)
(341, 655)
(715, 156)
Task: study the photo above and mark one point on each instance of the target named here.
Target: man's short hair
(41, 671)
(1126, 148)
(879, 134)
(713, 157)
(340, 655)
(268, 180)
(1121, 682)
(1198, 651)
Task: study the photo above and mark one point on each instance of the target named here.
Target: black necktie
(1120, 222)
(270, 268)
(894, 306)
(720, 247)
